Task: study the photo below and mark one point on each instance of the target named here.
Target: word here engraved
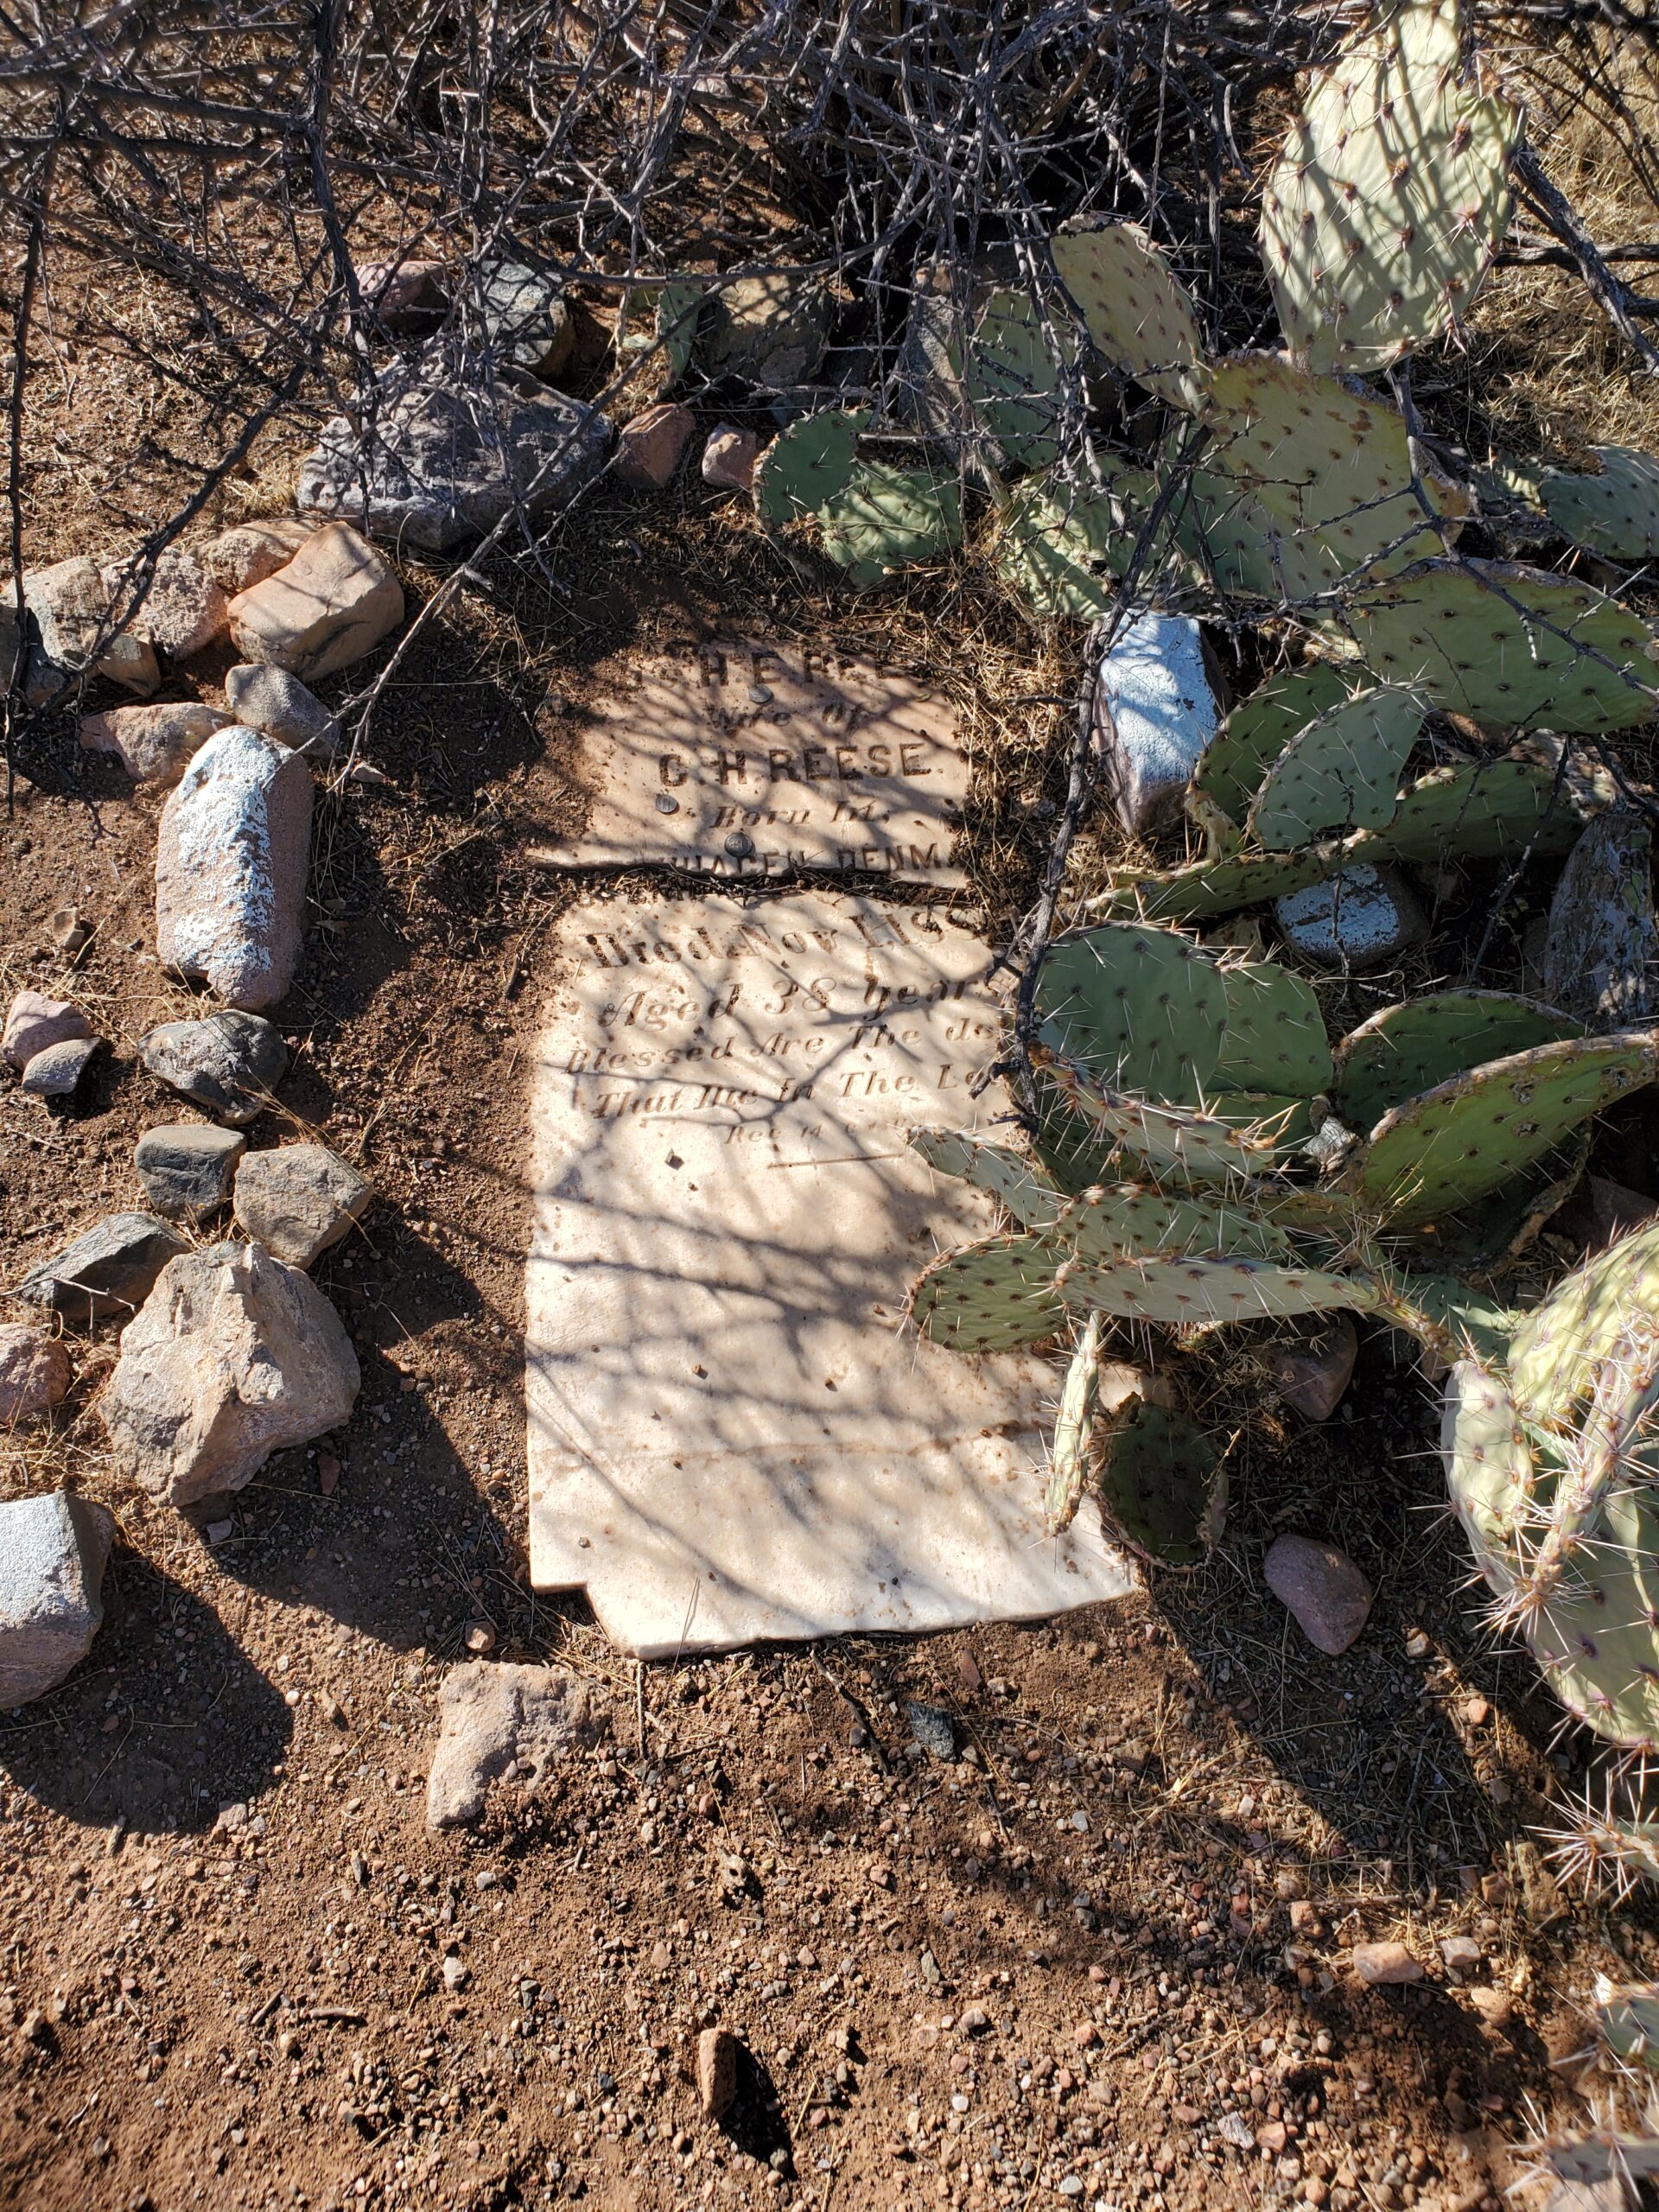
(733, 1432)
(758, 761)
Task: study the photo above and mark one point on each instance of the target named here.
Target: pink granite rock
(1324, 1592)
(33, 1023)
(152, 743)
(34, 1372)
(649, 449)
(237, 559)
(728, 458)
(1382, 1966)
(182, 610)
(333, 603)
(230, 865)
(406, 294)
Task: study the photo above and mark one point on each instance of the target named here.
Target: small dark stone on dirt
(186, 1167)
(230, 1063)
(108, 1270)
(933, 1729)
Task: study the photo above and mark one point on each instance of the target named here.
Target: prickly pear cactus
(1508, 645)
(1029, 1195)
(1407, 1049)
(1613, 511)
(1232, 765)
(885, 520)
(1134, 309)
(1390, 196)
(1060, 545)
(1162, 1484)
(1341, 772)
(1018, 358)
(806, 464)
(1144, 1008)
(1272, 1033)
(1602, 943)
(997, 1295)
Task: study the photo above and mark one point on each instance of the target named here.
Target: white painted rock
(230, 865)
(253, 550)
(52, 1551)
(1321, 1588)
(278, 705)
(56, 1072)
(1365, 917)
(182, 609)
(33, 1023)
(299, 1200)
(233, 1357)
(1155, 713)
(333, 603)
(70, 603)
(491, 1716)
(34, 1372)
(152, 743)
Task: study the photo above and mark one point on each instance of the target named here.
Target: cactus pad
(1569, 1332)
(1627, 2020)
(1595, 1641)
(1410, 1048)
(1199, 1148)
(1130, 1220)
(1494, 809)
(1013, 380)
(1390, 196)
(1020, 1183)
(1231, 767)
(1471, 1134)
(1307, 484)
(1603, 944)
(1614, 512)
(1142, 1009)
(997, 1295)
(1274, 1036)
(1136, 312)
(1187, 1292)
(807, 463)
(886, 519)
(1341, 772)
(1205, 889)
(1060, 544)
(664, 316)
(1508, 645)
(1488, 1469)
(1162, 1486)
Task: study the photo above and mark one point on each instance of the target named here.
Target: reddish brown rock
(333, 603)
(1311, 1372)
(649, 449)
(34, 1372)
(231, 866)
(152, 743)
(33, 1023)
(728, 458)
(1382, 1966)
(716, 2072)
(406, 294)
(1324, 1592)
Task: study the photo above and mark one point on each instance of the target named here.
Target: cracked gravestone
(733, 1433)
(753, 761)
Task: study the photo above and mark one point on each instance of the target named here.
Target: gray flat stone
(756, 761)
(229, 1062)
(450, 450)
(276, 703)
(106, 1272)
(299, 1200)
(56, 1072)
(1600, 954)
(732, 1432)
(524, 312)
(186, 1167)
(1365, 917)
(52, 1551)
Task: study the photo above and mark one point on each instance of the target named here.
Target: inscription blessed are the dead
(732, 1435)
(757, 760)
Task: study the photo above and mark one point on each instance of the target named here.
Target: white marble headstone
(752, 761)
(733, 1434)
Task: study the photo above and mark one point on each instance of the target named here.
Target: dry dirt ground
(1104, 1956)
